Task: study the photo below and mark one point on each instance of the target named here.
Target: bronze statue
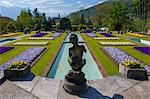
(76, 53)
(75, 82)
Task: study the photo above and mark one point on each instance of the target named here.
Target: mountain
(92, 11)
(11, 12)
(101, 9)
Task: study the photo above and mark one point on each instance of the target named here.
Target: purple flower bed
(39, 35)
(88, 31)
(27, 56)
(118, 55)
(145, 50)
(5, 49)
(147, 34)
(56, 34)
(107, 35)
(91, 34)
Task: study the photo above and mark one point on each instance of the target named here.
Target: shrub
(27, 31)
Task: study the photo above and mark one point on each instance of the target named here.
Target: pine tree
(82, 19)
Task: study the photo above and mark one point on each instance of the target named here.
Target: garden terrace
(27, 56)
(10, 34)
(106, 62)
(135, 34)
(106, 38)
(44, 61)
(5, 49)
(30, 43)
(117, 43)
(120, 56)
(41, 38)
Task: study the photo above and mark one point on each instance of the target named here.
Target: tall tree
(43, 22)
(89, 24)
(141, 7)
(75, 19)
(82, 19)
(49, 24)
(24, 20)
(65, 24)
(37, 19)
(119, 14)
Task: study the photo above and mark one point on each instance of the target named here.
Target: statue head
(73, 38)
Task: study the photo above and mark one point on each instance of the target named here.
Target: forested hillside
(113, 13)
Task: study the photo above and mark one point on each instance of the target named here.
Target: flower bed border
(8, 50)
(106, 38)
(49, 66)
(17, 72)
(38, 58)
(100, 66)
(17, 44)
(41, 38)
(137, 74)
(131, 44)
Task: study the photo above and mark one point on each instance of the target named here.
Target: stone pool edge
(100, 67)
(49, 66)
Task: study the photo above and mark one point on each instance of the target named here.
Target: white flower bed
(117, 43)
(106, 38)
(41, 38)
(31, 43)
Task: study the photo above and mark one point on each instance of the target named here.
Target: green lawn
(53, 45)
(39, 67)
(43, 62)
(109, 66)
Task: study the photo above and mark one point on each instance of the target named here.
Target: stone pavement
(45, 88)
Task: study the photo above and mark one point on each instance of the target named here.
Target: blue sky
(52, 7)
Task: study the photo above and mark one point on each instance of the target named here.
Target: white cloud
(6, 4)
(79, 2)
(81, 5)
(51, 7)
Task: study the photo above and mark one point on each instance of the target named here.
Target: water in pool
(61, 66)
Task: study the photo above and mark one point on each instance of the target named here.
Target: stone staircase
(113, 87)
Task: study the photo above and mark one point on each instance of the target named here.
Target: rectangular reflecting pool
(61, 66)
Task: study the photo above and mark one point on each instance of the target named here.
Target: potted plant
(133, 70)
(17, 69)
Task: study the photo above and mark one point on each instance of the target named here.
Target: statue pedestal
(75, 83)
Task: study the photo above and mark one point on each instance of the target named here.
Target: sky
(51, 7)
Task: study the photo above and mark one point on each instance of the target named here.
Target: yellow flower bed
(7, 35)
(138, 35)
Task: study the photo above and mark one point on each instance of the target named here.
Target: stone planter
(137, 74)
(17, 72)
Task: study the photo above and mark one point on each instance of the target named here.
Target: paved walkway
(45, 88)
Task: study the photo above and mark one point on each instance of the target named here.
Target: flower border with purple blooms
(145, 50)
(5, 49)
(27, 56)
(107, 35)
(39, 35)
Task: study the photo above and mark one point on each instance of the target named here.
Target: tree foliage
(65, 23)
